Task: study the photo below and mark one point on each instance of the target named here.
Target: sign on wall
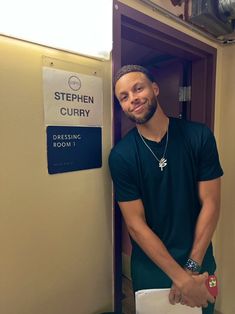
(73, 148)
(72, 98)
(73, 112)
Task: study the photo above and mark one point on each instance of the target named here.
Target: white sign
(72, 98)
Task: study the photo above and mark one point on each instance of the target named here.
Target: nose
(134, 98)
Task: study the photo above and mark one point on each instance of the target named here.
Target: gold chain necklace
(162, 162)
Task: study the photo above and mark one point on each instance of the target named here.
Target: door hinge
(185, 93)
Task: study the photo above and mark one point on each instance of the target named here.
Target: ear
(155, 88)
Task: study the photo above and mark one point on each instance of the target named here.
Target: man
(166, 175)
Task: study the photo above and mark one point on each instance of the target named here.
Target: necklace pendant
(162, 163)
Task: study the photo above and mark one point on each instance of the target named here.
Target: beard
(151, 109)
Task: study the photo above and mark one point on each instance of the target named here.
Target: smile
(138, 109)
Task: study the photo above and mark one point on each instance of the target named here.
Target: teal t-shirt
(170, 197)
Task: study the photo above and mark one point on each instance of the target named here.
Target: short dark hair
(132, 68)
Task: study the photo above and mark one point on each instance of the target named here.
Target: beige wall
(225, 239)
(55, 230)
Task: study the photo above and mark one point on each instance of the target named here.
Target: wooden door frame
(133, 25)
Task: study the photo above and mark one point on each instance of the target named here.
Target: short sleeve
(209, 167)
(125, 185)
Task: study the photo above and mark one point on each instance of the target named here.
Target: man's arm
(209, 193)
(193, 289)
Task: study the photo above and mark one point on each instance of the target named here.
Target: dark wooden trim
(211, 84)
(199, 73)
(170, 34)
(153, 37)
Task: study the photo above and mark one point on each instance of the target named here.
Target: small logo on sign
(74, 83)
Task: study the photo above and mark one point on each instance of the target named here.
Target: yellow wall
(55, 230)
(225, 239)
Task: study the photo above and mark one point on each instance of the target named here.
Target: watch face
(193, 266)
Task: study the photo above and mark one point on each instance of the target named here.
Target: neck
(156, 127)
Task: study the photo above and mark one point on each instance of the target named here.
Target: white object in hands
(156, 301)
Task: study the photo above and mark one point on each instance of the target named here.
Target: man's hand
(193, 292)
(174, 295)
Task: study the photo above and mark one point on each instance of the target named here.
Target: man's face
(137, 96)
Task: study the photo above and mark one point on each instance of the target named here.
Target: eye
(123, 98)
(139, 88)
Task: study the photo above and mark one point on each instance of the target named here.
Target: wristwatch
(192, 265)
